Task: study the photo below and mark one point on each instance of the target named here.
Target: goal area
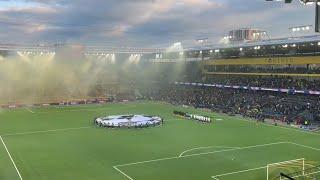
(296, 169)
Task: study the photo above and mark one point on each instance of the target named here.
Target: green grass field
(62, 143)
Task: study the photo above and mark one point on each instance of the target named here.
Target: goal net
(297, 169)
(283, 170)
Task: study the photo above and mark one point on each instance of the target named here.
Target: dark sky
(143, 23)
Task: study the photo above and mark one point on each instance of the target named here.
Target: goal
(282, 170)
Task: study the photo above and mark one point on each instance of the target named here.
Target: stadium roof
(105, 49)
(290, 40)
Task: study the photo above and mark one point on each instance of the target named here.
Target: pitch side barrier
(288, 91)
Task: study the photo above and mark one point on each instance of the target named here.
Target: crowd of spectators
(261, 105)
(277, 82)
(253, 69)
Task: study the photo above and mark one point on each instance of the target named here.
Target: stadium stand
(286, 82)
(269, 80)
(296, 109)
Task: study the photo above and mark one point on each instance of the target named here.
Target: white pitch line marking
(70, 110)
(237, 172)
(246, 170)
(127, 176)
(313, 148)
(14, 164)
(207, 147)
(198, 154)
(214, 177)
(28, 109)
(240, 148)
(45, 131)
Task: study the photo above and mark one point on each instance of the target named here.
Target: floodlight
(257, 47)
(317, 11)
(286, 1)
(308, 2)
(177, 44)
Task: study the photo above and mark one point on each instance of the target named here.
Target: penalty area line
(14, 164)
(127, 176)
(237, 172)
(46, 131)
(28, 109)
(199, 154)
(207, 147)
(309, 147)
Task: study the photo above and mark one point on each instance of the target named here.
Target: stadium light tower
(309, 2)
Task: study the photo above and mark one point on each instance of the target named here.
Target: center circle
(120, 121)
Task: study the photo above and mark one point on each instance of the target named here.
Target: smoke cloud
(69, 74)
(27, 78)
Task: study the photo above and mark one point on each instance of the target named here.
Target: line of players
(200, 118)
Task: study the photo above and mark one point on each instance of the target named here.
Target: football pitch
(62, 143)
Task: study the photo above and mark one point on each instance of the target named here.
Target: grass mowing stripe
(14, 164)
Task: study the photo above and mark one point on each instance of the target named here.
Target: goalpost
(280, 169)
(297, 169)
